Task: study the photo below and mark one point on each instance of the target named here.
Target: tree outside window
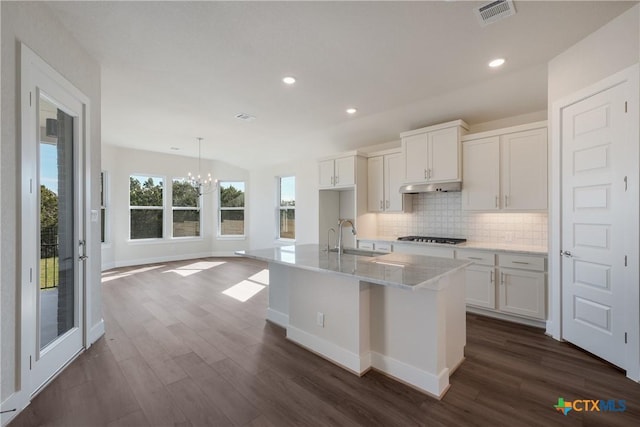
(146, 207)
(231, 208)
(287, 210)
(186, 209)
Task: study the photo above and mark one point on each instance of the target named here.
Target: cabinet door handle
(475, 257)
(381, 204)
(491, 277)
(337, 179)
(387, 204)
(506, 200)
(520, 262)
(332, 180)
(429, 173)
(497, 202)
(425, 174)
(502, 279)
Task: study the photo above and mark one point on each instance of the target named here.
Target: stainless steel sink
(359, 252)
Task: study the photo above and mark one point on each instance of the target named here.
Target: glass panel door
(57, 275)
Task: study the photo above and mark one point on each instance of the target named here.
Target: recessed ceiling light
(351, 110)
(496, 62)
(289, 80)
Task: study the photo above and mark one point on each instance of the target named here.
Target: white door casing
(595, 217)
(38, 365)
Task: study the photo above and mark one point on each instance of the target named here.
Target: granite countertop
(397, 270)
(495, 247)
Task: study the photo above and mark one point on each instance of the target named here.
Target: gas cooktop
(429, 239)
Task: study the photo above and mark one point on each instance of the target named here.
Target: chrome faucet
(340, 224)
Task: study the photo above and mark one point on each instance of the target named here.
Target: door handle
(83, 257)
(566, 254)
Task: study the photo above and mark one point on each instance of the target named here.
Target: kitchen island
(400, 314)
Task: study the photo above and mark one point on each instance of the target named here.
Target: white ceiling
(172, 71)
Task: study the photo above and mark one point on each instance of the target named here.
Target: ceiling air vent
(245, 117)
(495, 11)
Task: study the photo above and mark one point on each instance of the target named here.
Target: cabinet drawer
(386, 247)
(366, 245)
(478, 257)
(524, 262)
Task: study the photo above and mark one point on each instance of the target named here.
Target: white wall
(32, 24)
(262, 205)
(120, 163)
(610, 49)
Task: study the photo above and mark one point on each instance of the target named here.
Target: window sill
(164, 241)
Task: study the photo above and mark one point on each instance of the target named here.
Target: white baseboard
(96, 332)
(107, 266)
(345, 358)
(14, 401)
(278, 317)
(435, 385)
(507, 317)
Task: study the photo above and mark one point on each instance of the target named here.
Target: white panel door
(524, 170)
(415, 149)
(375, 187)
(444, 151)
(325, 170)
(393, 176)
(345, 171)
(481, 177)
(595, 203)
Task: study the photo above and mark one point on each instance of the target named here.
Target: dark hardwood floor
(179, 352)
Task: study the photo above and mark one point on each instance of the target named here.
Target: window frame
(163, 178)
(280, 208)
(185, 208)
(220, 209)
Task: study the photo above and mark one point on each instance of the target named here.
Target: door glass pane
(57, 207)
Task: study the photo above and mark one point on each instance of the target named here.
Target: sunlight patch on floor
(261, 277)
(194, 268)
(244, 290)
(109, 276)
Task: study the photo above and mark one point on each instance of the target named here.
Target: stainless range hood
(431, 188)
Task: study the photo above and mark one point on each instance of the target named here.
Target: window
(103, 207)
(287, 214)
(146, 195)
(231, 209)
(186, 209)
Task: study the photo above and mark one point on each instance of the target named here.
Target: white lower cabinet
(480, 286)
(506, 284)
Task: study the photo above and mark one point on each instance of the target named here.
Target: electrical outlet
(320, 319)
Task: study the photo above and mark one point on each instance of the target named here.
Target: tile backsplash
(441, 214)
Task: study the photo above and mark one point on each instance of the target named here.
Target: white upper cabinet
(481, 172)
(375, 181)
(432, 154)
(385, 176)
(506, 169)
(339, 172)
(524, 165)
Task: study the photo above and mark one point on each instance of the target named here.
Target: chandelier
(206, 184)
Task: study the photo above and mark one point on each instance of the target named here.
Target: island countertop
(403, 271)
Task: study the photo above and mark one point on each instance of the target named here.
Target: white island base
(414, 335)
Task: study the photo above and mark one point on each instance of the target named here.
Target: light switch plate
(94, 215)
